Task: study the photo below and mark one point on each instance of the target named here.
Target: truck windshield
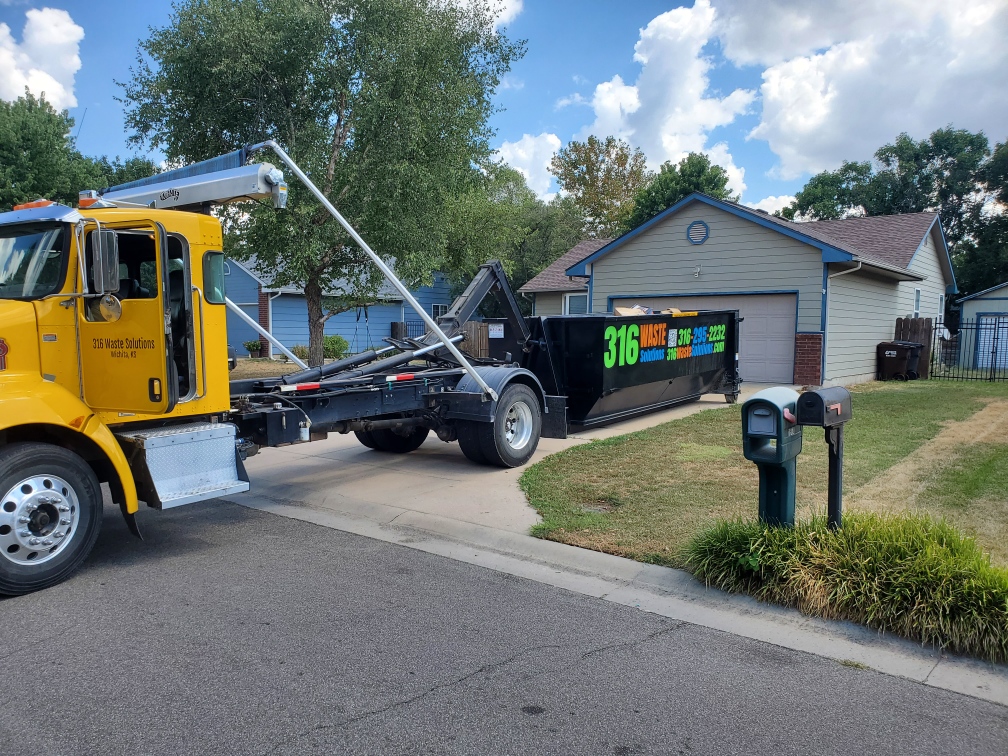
(32, 260)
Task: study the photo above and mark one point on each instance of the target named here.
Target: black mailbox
(825, 407)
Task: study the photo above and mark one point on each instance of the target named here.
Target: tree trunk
(316, 324)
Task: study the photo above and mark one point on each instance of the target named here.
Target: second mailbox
(769, 432)
(825, 407)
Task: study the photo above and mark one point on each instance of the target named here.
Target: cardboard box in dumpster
(641, 310)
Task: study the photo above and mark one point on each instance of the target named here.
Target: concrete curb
(660, 590)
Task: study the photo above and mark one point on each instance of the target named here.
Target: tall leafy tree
(513, 225)
(942, 172)
(385, 103)
(38, 157)
(831, 194)
(602, 177)
(674, 182)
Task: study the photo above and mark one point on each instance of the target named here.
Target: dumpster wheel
(731, 398)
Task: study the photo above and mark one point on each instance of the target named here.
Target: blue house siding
(290, 323)
(428, 296)
(242, 289)
(290, 313)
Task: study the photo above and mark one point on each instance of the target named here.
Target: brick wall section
(264, 321)
(808, 359)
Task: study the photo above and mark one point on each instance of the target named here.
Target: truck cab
(111, 319)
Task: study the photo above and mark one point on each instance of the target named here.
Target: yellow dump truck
(114, 370)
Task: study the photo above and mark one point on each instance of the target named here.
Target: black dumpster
(892, 358)
(611, 367)
(913, 359)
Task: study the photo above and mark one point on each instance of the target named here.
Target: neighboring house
(283, 312)
(554, 292)
(816, 298)
(983, 332)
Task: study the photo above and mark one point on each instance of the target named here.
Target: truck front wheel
(50, 515)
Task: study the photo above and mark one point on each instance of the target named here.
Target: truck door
(126, 364)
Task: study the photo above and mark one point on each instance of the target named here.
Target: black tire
(731, 398)
(498, 445)
(366, 438)
(20, 463)
(388, 440)
(469, 441)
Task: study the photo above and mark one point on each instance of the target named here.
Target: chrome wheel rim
(38, 519)
(518, 425)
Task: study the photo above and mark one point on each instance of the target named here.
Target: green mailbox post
(772, 439)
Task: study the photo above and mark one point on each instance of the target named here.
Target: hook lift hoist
(113, 366)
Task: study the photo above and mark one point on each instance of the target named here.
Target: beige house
(815, 297)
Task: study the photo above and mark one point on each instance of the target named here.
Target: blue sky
(773, 90)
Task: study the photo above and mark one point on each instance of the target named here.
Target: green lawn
(647, 494)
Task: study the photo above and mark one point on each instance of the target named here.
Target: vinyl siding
(243, 290)
(290, 323)
(738, 257)
(861, 312)
(996, 302)
(925, 263)
(428, 296)
(549, 303)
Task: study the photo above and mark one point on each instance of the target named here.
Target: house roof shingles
(553, 277)
(890, 239)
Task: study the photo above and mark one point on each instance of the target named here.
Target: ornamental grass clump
(907, 574)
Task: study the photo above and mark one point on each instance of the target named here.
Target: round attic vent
(697, 232)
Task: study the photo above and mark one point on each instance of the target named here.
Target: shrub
(252, 347)
(300, 351)
(908, 574)
(334, 347)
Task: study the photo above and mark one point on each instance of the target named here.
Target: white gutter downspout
(829, 288)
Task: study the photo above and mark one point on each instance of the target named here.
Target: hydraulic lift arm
(489, 280)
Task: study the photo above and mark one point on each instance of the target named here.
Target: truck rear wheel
(408, 440)
(50, 516)
(511, 440)
(469, 441)
(366, 438)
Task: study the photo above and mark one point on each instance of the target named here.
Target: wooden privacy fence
(477, 339)
(920, 330)
(477, 335)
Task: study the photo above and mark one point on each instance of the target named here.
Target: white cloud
(842, 79)
(509, 82)
(572, 99)
(670, 110)
(771, 204)
(509, 10)
(46, 60)
(531, 157)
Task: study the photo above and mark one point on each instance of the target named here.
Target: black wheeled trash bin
(913, 359)
(892, 358)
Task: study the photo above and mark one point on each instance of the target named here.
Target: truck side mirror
(105, 262)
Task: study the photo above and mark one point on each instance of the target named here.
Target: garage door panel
(766, 335)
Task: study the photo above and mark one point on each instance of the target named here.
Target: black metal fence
(411, 329)
(976, 351)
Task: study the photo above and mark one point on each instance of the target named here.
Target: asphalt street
(233, 631)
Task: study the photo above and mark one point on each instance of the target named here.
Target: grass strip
(908, 574)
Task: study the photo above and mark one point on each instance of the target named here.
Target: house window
(438, 310)
(941, 307)
(916, 312)
(575, 304)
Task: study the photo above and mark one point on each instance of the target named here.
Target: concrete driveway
(341, 475)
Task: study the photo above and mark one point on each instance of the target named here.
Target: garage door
(992, 342)
(767, 339)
